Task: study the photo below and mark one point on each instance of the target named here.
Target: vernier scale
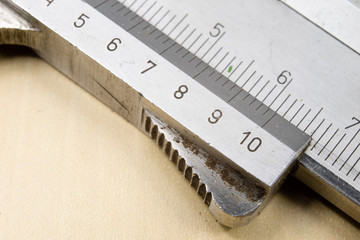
(237, 94)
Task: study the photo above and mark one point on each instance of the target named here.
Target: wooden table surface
(70, 168)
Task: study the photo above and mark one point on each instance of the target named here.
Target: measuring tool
(237, 95)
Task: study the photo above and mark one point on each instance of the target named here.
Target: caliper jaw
(233, 195)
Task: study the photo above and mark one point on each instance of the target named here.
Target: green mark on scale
(230, 68)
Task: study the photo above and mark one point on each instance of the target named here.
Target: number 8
(179, 94)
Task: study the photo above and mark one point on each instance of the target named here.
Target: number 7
(151, 67)
(358, 122)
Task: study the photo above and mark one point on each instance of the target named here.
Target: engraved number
(179, 94)
(49, 2)
(81, 21)
(353, 125)
(113, 45)
(149, 68)
(284, 77)
(254, 144)
(215, 116)
(217, 29)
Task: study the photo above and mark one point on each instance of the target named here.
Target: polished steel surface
(151, 69)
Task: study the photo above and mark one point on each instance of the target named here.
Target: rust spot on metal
(177, 139)
(236, 179)
(242, 184)
(231, 177)
(211, 163)
(189, 145)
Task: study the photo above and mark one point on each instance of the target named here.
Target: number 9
(215, 116)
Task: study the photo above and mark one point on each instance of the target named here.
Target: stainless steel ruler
(237, 94)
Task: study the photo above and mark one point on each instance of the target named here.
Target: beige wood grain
(70, 168)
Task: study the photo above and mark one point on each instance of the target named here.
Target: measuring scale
(236, 94)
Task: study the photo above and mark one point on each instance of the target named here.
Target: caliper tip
(232, 197)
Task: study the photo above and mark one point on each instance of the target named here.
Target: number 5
(81, 21)
(216, 30)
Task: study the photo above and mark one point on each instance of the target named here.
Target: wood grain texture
(70, 168)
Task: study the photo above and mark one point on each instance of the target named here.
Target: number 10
(254, 144)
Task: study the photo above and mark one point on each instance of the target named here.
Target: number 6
(112, 46)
